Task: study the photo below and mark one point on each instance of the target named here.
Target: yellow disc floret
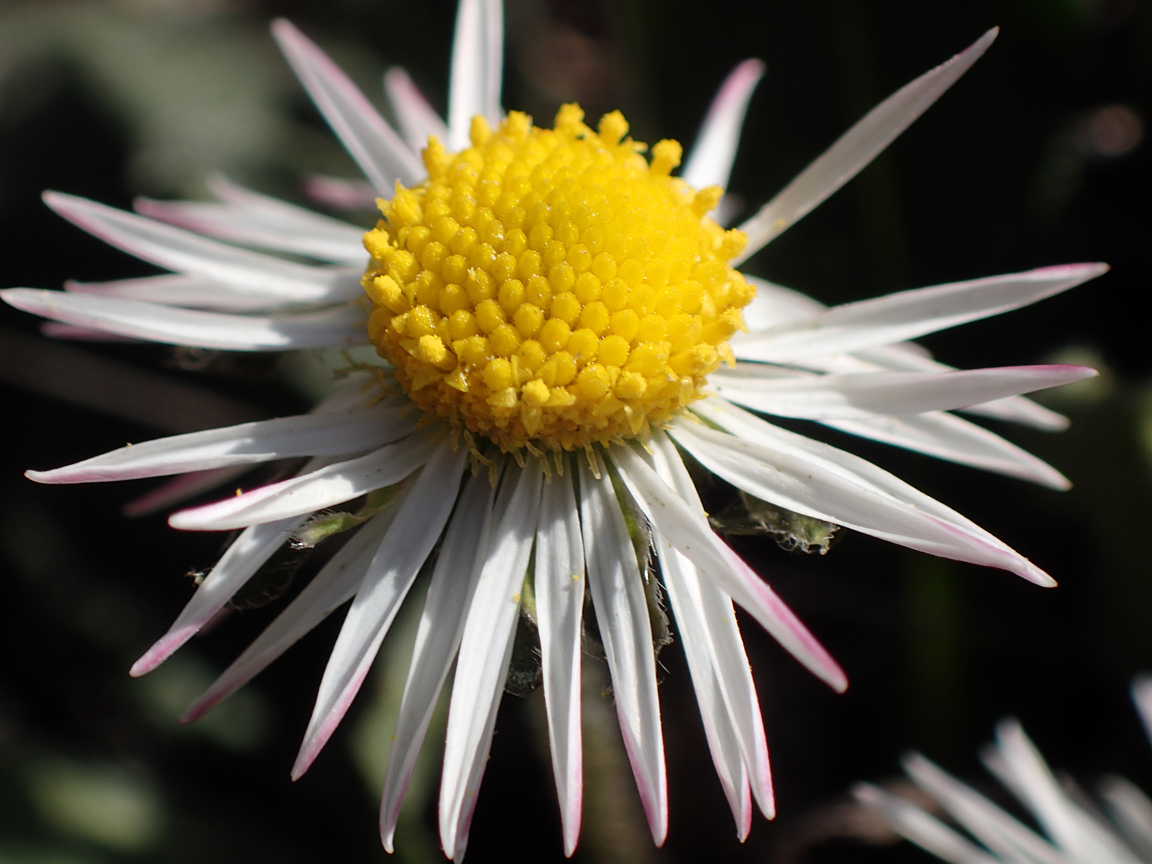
(551, 287)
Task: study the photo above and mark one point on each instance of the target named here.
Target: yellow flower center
(551, 288)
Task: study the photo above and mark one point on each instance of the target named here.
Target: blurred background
(1038, 156)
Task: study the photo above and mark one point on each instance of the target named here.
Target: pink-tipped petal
(340, 193)
(485, 648)
(239, 563)
(378, 150)
(910, 314)
(559, 584)
(807, 476)
(683, 527)
(617, 590)
(185, 252)
(328, 434)
(334, 585)
(458, 568)
(710, 161)
(856, 148)
(340, 326)
(868, 395)
(418, 120)
(399, 557)
(306, 493)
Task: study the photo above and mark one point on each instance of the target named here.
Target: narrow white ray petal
(1004, 836)
(329, 434)
(681, 526)
(856, 148)
(334, 585)
(477, 68)
(192, 292)
(710, 161)
(326, 487)
(293, 230)
(458, 566)
(1131, 809)
(702, 598)
(1019, 409)
(921, 828)
(398, 559)
(337, 326)
(946, 436)
(378, 150)
(482, 665)
(1020, 764)
(340, 193)
(617, 589)
(775, 304)
(865, 395)
(1142, 697)
(185, 252)
(909, 314)
(910, 357)
(682, 584)
(810, 477)
(559, 584)
(418, 120)
(236, 566)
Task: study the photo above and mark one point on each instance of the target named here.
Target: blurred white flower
(567, 319)
(1076, 830)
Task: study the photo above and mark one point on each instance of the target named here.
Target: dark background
(1038, 156)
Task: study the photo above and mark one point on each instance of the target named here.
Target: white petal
(682, 584)
(955, 439)
(185, 252)
(1020, 764)
(454, 579)
(288, 228)
(682, 526)
(1131, 809)
(923, 829)
(307, 493)
(910, 357)
(856, 148)
(486, 646)
(866, 395)
(338, 326)
(328, 434)
(236, 566)
(1002, 834)
(378, 150)
(809, 477)
(710, 161)
(398, 559)
(559, 584)
(909, 314)
(1142, 696)
(701, 599)
(334, 585)
(418, 120)
(477, 68)
(176, 289)
(615, 582)
(340, 193)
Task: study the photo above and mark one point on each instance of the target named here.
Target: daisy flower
(1077, 831)
(555, 323)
